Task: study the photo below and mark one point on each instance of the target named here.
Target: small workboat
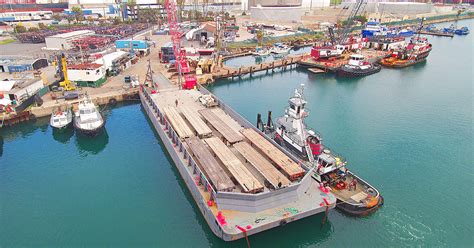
(87, 119)
(415, 52)
(280, 48)
(354, 195)
(462, 31)
(358, 66)
(61, 118)
(261, 52)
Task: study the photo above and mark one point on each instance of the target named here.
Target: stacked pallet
(178, 123)
(262, 165)
(238, 170)
(227, 132)
(291, 168)
(209, 165)
(195, 120)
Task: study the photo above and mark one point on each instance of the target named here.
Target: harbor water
(408, 132)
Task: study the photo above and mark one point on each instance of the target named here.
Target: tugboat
(87, 119)
(354, 195)
(261, 52)
(358, 67)
(61, 119)
(415, 52)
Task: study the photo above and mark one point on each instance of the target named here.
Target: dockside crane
(181, 63)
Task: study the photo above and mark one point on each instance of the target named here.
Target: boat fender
(113, 101)
(283, 222)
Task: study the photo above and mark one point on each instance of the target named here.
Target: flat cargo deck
(217, 195)
(262, 165)
(292, 169)
(209, 165)
(193, 117)
(178, 123)
(225, 130)
(238, 170)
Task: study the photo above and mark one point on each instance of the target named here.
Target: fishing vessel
(261, 52)
(354, 195)
(87, 119)
(280, 48)
(242, 182)
(415, 52)
(358, 66)
(61, 118)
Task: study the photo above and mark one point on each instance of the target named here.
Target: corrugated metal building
(11, 64)
(64, 41)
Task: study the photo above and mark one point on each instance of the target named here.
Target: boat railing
(200, 178)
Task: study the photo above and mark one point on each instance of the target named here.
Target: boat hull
(398, 63)
(61, 128)
(348, 72)
(357, 210)
(89, 132)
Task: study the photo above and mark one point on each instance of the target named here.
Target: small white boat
(260, 51)
(61, 119)
(87, 119)
(280, 48)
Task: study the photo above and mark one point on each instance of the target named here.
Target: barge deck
(238, 188)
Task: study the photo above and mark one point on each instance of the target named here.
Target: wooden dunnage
(291, 168)
(238, 170)
(209, 165)
(195, 120)
(178, 123)
(227, 132)
(268, 171)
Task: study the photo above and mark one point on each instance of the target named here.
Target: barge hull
(226, 233)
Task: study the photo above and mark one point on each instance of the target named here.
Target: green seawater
(408, 132)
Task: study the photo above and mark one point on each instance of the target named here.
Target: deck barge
(242, 181)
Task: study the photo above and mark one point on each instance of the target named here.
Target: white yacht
(87, 119)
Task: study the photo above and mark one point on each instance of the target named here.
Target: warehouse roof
(85, 66)
(72, 34)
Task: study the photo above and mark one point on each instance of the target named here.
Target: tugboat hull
(356, 210)
(348, 72)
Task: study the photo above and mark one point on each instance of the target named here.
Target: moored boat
(358, 66)
(415, 52)
(87, 119)
(280, 48)
(462, 31)
(354, 195)
(61, 118)
(261, 52)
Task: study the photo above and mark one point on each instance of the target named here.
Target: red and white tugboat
(354, 195)
(415, 52)
(358, 66)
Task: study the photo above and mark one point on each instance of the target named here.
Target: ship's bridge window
(292, 106)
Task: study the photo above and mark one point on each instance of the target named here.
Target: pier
(228, 72)
(437, 34)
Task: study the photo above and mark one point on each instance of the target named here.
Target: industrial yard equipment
(181, 63)
(65, 83)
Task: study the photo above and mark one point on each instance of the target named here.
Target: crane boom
(350, 19)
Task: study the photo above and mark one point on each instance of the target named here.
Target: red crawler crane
(181, 63)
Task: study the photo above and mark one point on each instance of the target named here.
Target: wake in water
(403, 227)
